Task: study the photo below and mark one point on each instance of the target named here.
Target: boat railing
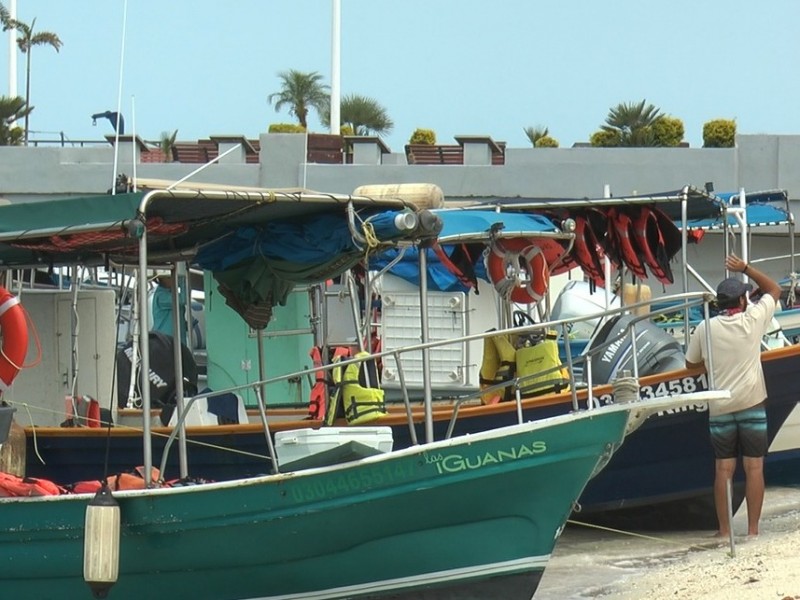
(518, 384)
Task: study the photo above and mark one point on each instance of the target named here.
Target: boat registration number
(683, 385)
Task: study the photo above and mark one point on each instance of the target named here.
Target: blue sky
(474, 67)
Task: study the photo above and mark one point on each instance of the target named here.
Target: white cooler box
(296, 444)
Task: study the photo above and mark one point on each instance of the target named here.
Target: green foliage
(605, 139)
(668, 131)
(535, 133)
(364, 115)
(301, 92)
(423, 136)
(286, 128)
(15, 137)
(346, 130)
(719, 133)
(546, 142)
(26, 41)
(167, 143)
(633, 122)
(12, 110)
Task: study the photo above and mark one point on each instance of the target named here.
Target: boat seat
(227, 409)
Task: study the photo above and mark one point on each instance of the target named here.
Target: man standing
(739, 425)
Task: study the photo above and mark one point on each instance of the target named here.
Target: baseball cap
(732, 288)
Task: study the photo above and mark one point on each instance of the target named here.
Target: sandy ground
(593, 563)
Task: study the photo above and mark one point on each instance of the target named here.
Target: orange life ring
(15, 338)
(507, 259)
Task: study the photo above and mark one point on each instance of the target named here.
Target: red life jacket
(659, 239)
(587, 250)
(11, 485)
(317, 399)
(622, 234)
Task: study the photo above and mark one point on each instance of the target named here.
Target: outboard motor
(656, 350)
(162, 373)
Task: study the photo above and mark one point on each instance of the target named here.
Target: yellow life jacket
(352, 387)
(537, 358)
(503, 362)
(498, 365)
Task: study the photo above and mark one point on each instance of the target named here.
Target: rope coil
(625, 388)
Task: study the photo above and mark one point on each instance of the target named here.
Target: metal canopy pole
(261, 395)
(144, 358)
(685, 258)
(426, 352)
(177, 360)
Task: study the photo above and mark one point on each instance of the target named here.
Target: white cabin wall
(43, 386)
(452, 314)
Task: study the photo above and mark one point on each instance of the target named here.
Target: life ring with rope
(505, 262)
(14, 329)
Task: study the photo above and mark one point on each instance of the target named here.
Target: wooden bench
(499, 158)
(253, 158)
(189, 152)
(497, 150)
(154, 156)
(210, 147)
(449, 154)
(434, 154)
(325, 148)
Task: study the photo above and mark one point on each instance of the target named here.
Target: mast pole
(336, 34)
(12, 52)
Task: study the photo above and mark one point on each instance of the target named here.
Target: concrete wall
(757, 162)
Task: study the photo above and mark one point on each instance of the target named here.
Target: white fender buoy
(421, 195)
(101, 544)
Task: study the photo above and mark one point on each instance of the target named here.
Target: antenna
(133, 154)
(119, 106)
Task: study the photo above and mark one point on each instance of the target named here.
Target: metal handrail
(685, 299)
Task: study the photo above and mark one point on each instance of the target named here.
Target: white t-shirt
(736, 355)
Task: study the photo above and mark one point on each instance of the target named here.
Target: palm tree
(534, 134)
(11, 110)
(301, 91)
(26, 41)
(167, 144)
(364, 115)
(5, 17)
(633, 123)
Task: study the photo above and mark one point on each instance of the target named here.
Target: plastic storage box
(296, 444)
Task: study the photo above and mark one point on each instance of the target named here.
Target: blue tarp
(311, 241)
(475, 225)
(757, 208)
(440, 277)
(463, 227)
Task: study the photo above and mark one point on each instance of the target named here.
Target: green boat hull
(473, 517)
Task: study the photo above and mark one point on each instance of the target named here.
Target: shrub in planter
(546, 142)
(286, 128)
(719, 133)
(423, 136)
(605, 139)
(668, 131)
